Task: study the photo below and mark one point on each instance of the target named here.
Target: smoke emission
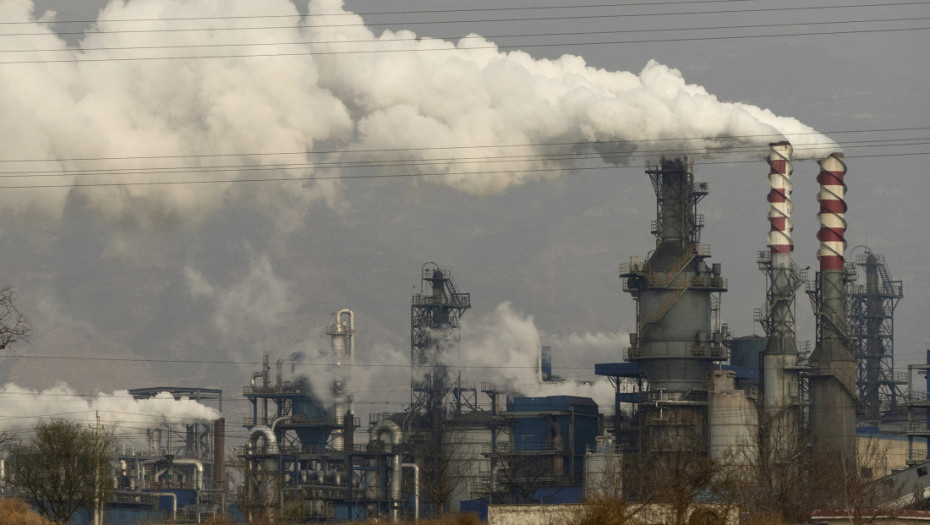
(449, 108)
(502, 347)
(118, 410)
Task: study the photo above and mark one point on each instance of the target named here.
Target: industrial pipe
(416, 489)
(271, 442)
(174, 502)
(386, 426)
(198, 470)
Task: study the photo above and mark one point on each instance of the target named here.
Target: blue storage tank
(556, 423)
(745, 351)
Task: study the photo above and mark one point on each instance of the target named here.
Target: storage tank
(732, 422)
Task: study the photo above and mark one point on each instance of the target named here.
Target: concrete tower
(781, 399)
(833, 366)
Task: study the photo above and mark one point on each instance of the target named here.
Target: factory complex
(695, 407)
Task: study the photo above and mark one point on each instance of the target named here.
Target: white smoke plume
(260, 298)
(448, 107)
(119, 412)
(502, 347)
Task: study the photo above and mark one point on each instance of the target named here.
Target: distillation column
(342, 334)
(780, 372)
(833, 365)
(678, 337)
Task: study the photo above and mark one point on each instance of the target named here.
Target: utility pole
(98, 510)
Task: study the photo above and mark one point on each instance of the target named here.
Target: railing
(603, 448)
(916, 397)
(286, 388)
(291, 420)
(714, 352)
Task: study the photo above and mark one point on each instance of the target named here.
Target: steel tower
(435, 313)
(871, 322)
(678, 337)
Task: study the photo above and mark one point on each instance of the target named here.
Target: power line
(348, 177)
(389, 163)
(475, 20)
(447, 148)
(465, 37)
(252, 363)
(409, 12)
(450, 48)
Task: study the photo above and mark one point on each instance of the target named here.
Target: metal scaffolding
(871, 323)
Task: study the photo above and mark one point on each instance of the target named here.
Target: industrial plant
(686, 387)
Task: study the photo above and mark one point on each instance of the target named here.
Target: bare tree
(853, 489)
(64, 468)
(14, 325)
(446, 460)
(265, 497)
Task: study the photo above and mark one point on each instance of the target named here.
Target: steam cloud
(22, 408)
(502, 347)
(312, 95)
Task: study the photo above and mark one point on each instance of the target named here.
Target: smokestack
(348, 433)
(832, 216)
(833, 365)
(219, 453)
(780, 379)
(780, 169)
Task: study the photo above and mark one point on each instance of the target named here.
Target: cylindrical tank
(745, 351)
(732, 421)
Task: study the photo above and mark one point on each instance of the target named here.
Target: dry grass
(17, 512)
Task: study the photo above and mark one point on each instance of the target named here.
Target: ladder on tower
(680, 264)
(667, 304)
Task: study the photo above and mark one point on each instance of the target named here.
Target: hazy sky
(212, 275)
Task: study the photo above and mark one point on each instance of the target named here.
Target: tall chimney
(833, 365)
(780, 379)
(219, 453)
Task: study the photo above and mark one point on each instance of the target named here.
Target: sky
(196, 213)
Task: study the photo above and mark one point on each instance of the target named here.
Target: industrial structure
(679, 337)
(180, 470)
(873, 298)
(686, 389)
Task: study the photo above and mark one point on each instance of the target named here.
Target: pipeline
(271, 442)
(198, 470)
(416, 489)
(386, 426)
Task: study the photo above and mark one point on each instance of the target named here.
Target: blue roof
(617, 369)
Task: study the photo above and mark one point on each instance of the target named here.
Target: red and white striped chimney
(832, 216)
(779, 237)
